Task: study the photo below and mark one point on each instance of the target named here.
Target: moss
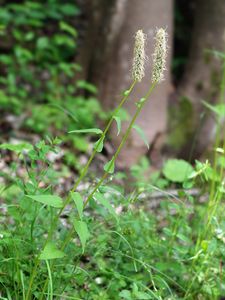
(181, 123)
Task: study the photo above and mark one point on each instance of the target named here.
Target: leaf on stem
(82, 231)
(141, 134)
(51, 252)
(88, 130)
(118, 123)
(50, 200)
(79, 203)
(98, 146)
(109, 167)
(102, 200)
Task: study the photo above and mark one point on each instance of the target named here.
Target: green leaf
(79, 203)
(66, 27)
(102, 200)
(177, 170)
(50, 200)
(82, 84)
(126, 93)
(82, 231)
(18, 148)
(219, 109)
(109, 167)
(69, 9)
(89, 130)
(118, 122)
(141, 134)
(98, 146)
(51, 252)
(125, 294)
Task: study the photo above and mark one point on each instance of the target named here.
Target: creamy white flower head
(138, 71)
(159, 56)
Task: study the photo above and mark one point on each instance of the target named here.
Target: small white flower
(138, 71)
(159, 56)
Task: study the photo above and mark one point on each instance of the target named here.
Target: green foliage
(38, 69)
(177, 170)
(136, 253)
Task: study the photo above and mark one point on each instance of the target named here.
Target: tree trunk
(112, 39)
(201, 81)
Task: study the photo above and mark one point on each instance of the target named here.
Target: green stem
(82, 175)
(141, 105)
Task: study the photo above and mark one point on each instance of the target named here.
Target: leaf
(141, 134)
(219, 109)
(18, 148)
(82, 84)
(79, 203)
(109, 167)
(118, 122)
(50, 200)
(98, 146)
(82, 231)
(51, 252)
(177, 170)
(102, 200)
(89, 130)
(125, 294)
(66, 27)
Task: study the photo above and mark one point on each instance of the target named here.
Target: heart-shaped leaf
(51, 252)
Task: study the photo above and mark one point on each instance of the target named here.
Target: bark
(202, 78)
(110, 66)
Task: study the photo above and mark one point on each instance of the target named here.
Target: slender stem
(84, 171)
(140, 106)
(82, 175)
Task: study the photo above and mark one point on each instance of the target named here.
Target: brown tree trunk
(201, 79)
(112, 40)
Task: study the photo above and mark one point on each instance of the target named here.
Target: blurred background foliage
(37, 61)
